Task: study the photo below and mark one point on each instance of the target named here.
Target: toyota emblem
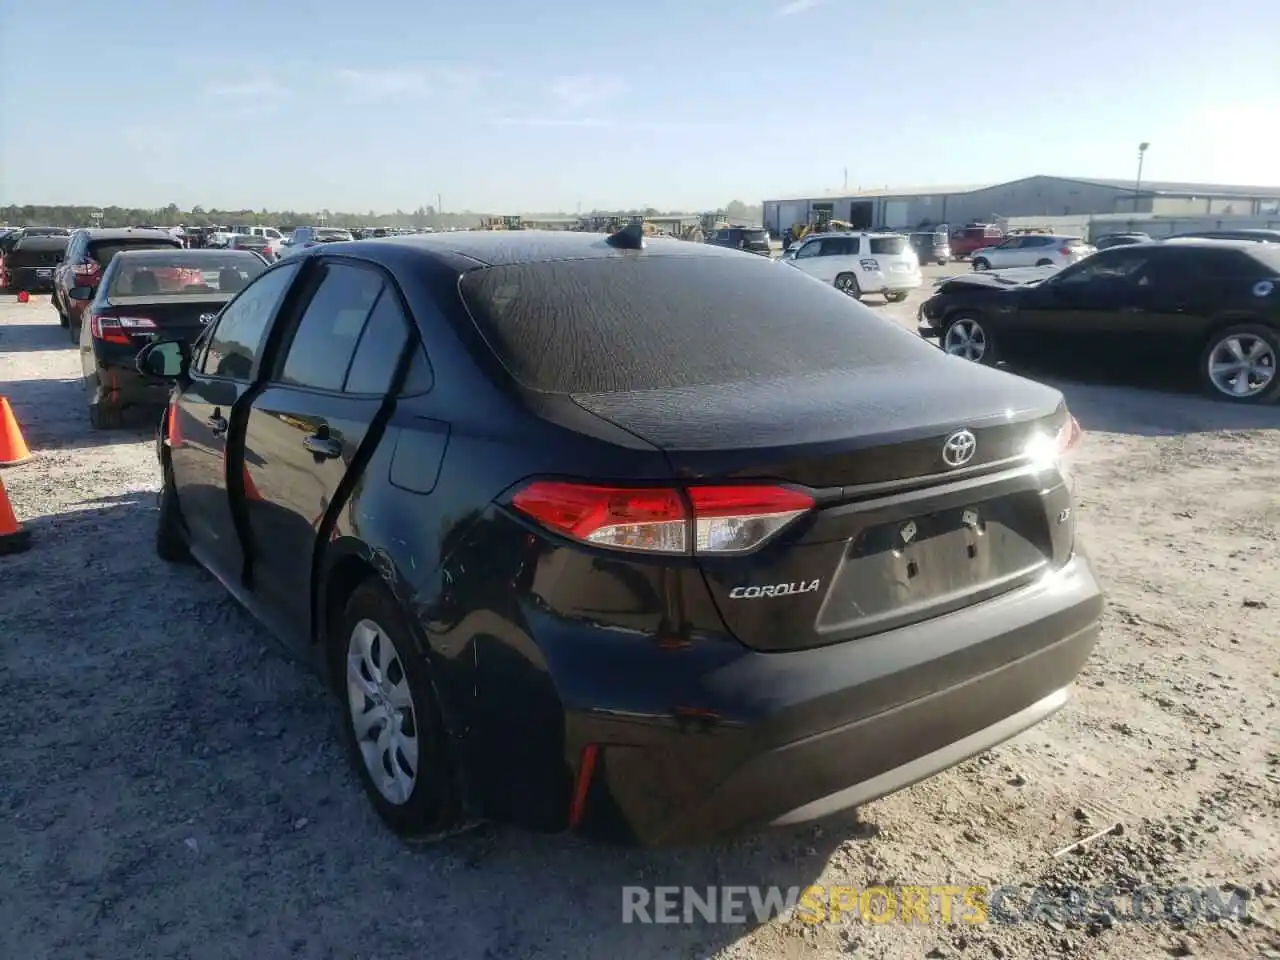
(959, 448)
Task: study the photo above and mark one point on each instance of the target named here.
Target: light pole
(1137, 185)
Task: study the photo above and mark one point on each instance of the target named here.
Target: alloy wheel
(382, 711)
(965, 338)
(1242, 365)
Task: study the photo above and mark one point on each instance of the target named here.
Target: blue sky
(506, 106)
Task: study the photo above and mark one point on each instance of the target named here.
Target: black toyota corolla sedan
(1209, 307)
(647, 540)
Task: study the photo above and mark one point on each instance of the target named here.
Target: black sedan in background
(1212, 306)
(654, 541)
(145, 294)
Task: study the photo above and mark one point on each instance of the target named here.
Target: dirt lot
(171, 786)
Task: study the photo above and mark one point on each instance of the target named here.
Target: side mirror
(165, 359)
(80, 293)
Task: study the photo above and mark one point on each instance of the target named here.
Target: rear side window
(636, 323)
(104, 251)
(888, 246)
(236, 341)
(1268, 255)
(379, 348)
(327, 333)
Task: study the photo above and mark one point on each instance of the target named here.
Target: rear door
(206, 474)
(319, 409)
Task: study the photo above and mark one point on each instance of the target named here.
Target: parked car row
(1206, 306)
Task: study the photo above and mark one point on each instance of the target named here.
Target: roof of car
(220, 253)
(1211, 243)
(505, 247)
(120, 233)
(853, 233)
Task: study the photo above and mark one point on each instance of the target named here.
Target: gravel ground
(172, 786)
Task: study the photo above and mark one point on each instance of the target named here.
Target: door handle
(216, 421)
(322, 446)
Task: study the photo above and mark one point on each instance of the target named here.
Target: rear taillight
(1047, 451)
(118, 329)
(704, 520)
(1065, 251)
(84, 269)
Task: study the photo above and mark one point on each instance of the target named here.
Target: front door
(205, 462)
(323, 404)
(1085, 304)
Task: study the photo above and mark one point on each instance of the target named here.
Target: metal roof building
(1037, 196)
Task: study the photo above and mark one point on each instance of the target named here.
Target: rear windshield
(183, 274)
(888, 246)
(104, 251)
(755, 236)
(613, 325)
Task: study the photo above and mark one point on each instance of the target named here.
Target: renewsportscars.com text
(935, 904)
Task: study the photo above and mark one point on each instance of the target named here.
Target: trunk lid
(898, 535)
(174, 317)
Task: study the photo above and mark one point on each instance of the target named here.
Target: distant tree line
(46, 215)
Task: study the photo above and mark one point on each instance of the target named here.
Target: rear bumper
(29, 279)
(790, 737)
(121, 385)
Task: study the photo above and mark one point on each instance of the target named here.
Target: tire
(427, 805)
(63, 319)
(847, 284)
(105, 417)
(980, 265)
(1259, 343)
(1044, 263)
(962, 343)
(895, 297)
(171, 538)
(942, 262)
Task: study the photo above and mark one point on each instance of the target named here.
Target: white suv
(859, 263)
(1031, 250)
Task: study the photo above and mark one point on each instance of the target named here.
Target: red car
(973, 237)
(88, 254)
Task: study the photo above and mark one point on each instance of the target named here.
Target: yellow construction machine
(819, 222)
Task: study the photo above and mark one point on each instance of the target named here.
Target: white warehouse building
(1038, 196)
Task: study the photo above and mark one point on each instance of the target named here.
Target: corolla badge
(774, 590)
(959, 448)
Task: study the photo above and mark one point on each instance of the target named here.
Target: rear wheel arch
(1227, 320)
(331, 590)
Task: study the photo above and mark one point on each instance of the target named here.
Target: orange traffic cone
(13, 538)
(23, 296)
(13, 449)
(250, 491)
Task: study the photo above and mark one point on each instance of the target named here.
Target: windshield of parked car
(183, 273)
(620, 324)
